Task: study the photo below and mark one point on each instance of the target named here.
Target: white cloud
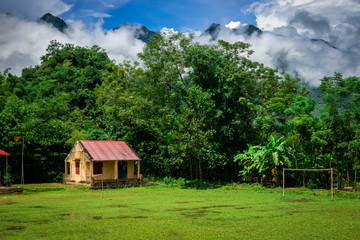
(313, 17)
(114, 3)
(292, 40)
(294, 31)
(303, 54)
(108, 5)
(92, 13)
(168, 31)
(233, 25)
(22, 42)
(34, 8)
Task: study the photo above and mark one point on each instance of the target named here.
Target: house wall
(108, 171)
(130, 169)
(77, 153)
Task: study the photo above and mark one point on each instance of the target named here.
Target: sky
(306, 38)
(182, 15)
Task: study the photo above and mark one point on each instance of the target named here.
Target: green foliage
(172, 182)
(188, 110)
(51, 105)
(263, 161)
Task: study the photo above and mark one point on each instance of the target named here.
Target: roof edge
(133, 151)
(91, 157)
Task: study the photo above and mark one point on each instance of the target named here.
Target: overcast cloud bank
(305, 38)
(22, 41)
(308, 39)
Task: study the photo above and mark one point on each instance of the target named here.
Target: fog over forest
(307, 39)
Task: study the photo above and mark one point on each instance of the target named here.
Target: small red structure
(4, 181)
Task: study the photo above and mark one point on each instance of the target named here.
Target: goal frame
(310, 170)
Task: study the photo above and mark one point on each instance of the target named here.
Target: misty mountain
(55, 21)
(321, 41)
(140, 31)
(216, 29)
(305, 57)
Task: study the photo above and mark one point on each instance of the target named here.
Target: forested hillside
(189, 110)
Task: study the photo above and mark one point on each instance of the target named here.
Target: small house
(96, 162)
(3, 170)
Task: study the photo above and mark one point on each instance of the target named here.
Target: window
(77, 167)
(98, 167)
(68, 168)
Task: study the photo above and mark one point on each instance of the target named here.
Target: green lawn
(174, 213)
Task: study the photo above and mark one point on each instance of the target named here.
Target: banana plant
(263, 161)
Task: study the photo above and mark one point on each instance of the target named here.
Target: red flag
(17, 139)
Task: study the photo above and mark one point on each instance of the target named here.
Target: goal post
(309, 170)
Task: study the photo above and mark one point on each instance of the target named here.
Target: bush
(170, 181)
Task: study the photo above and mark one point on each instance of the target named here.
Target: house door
(122, 170)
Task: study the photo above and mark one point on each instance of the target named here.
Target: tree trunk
(340, 178)
(296, 166)
(326, 179)
(191, 172)
(347, 172)
(196, 171)
(356, 161)
(199, 159)
(200, 177)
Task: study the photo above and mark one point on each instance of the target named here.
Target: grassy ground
(55, 211)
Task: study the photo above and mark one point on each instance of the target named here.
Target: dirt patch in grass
(201, 208)
(241, 208)
(124, 217)
(36, 207)
(67, 214)
(138, 217)
(97, 217)
(295, 212)
(41, 221)
(118, 205)
(200, 211)
(300, 200)
(219, 206)
(8, 203)
(15, 228)
(188, 202)
(144, 209)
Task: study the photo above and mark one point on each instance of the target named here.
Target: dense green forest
(190, 110)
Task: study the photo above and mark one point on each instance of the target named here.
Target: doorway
(122, 170)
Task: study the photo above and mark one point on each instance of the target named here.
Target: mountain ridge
(246, 32)
(55, 21)
(140, 31)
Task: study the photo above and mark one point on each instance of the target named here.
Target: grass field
(63, 212)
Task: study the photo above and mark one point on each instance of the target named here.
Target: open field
(64, 212)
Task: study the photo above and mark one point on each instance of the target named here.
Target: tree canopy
(191, 110)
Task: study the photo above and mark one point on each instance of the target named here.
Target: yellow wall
(84, 173)
(108, 171)
(130, 169)
(77, 153)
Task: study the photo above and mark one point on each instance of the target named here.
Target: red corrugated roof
(109, 150)
(3, 152)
